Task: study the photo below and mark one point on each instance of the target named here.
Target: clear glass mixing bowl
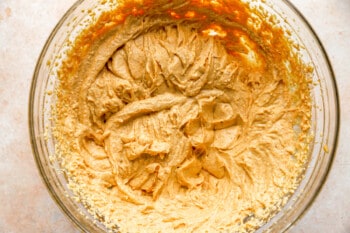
(325, 115)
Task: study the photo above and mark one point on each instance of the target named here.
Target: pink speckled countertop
(25, 204)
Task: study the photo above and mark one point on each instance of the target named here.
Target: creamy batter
(169, 123)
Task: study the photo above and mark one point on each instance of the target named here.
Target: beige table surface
(25, 205)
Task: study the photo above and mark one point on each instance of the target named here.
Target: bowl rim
(333, 152)
(31, 116)
(60, 203)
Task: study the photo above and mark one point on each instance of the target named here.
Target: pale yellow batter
(166, 126)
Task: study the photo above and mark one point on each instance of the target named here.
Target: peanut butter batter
(168, 122)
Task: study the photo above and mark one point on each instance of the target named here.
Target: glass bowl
(325, 114)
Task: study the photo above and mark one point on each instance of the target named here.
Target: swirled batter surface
(168, 124)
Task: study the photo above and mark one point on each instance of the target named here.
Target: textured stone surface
(25, 204)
